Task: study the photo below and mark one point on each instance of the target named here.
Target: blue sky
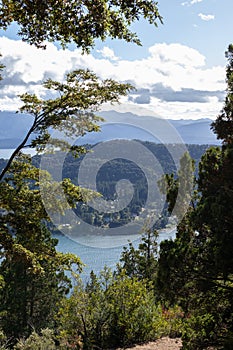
(179, 72)
(184, 24)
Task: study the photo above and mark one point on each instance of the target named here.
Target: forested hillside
(116, 170)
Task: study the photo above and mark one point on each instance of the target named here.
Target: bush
(199, 332)
(45, 341)
(114, 312)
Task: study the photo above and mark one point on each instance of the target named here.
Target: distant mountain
(191, 131)
(196, 132)
(14, 126)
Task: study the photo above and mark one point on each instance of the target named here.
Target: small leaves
(32, 270)
(80, 22)
(73, 111)
(76, 194)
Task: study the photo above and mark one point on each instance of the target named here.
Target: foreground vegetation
(184, 289)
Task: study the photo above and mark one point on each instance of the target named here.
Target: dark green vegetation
(118, 169)
(195, 271)
(185, 289)
(113, 171)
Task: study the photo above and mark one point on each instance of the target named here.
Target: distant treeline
(115, 170)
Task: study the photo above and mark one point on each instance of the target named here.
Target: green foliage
(83, 317)
(209, 320)
(198, 331)
(179, 189)
(32, 271)
(43, 341)
(114, 311)
(133, 310)
(223, 125)
(172, 319)
(3, 341)
(72, 110)
(141, 262)
(33, 279)
(80, 22)
(197, 266)
(215, 209)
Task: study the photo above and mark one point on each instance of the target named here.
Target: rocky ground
(160, 344)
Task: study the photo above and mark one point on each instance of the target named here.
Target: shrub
(44, 341)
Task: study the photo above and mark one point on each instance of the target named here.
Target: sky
(179, 71)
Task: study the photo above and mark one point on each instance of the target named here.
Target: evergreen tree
(223, 125)
(141, 262)
(196, 270)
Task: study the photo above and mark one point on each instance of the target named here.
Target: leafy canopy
(76, 21)
(70, 110)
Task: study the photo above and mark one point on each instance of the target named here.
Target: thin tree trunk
(17, 150)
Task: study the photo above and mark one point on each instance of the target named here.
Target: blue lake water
(96, 258)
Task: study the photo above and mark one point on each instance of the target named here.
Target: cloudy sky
(179, 72)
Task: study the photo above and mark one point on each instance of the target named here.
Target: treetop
(77, 21)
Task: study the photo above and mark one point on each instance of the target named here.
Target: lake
(96, 258)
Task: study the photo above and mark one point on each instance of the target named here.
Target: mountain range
(119, 126)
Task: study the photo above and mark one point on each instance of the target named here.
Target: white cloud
(172, 67)
(190, 3)
(106, 52)
(206, 17)
(195, 1)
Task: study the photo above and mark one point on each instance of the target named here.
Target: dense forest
(115, 170)
(108, 177)
(184, 288)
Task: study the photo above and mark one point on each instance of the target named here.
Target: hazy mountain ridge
(116, 126)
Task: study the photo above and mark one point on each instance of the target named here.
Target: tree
(213, 216)
(1, 68)
(179, 189)
(81, 22)
(223, 125)
(141, 262)
(195, 270)
(197, 266)
(133, 311)
(33, 272)
(85, 317)
(76, 21)
(31, 267)
(72, 111)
